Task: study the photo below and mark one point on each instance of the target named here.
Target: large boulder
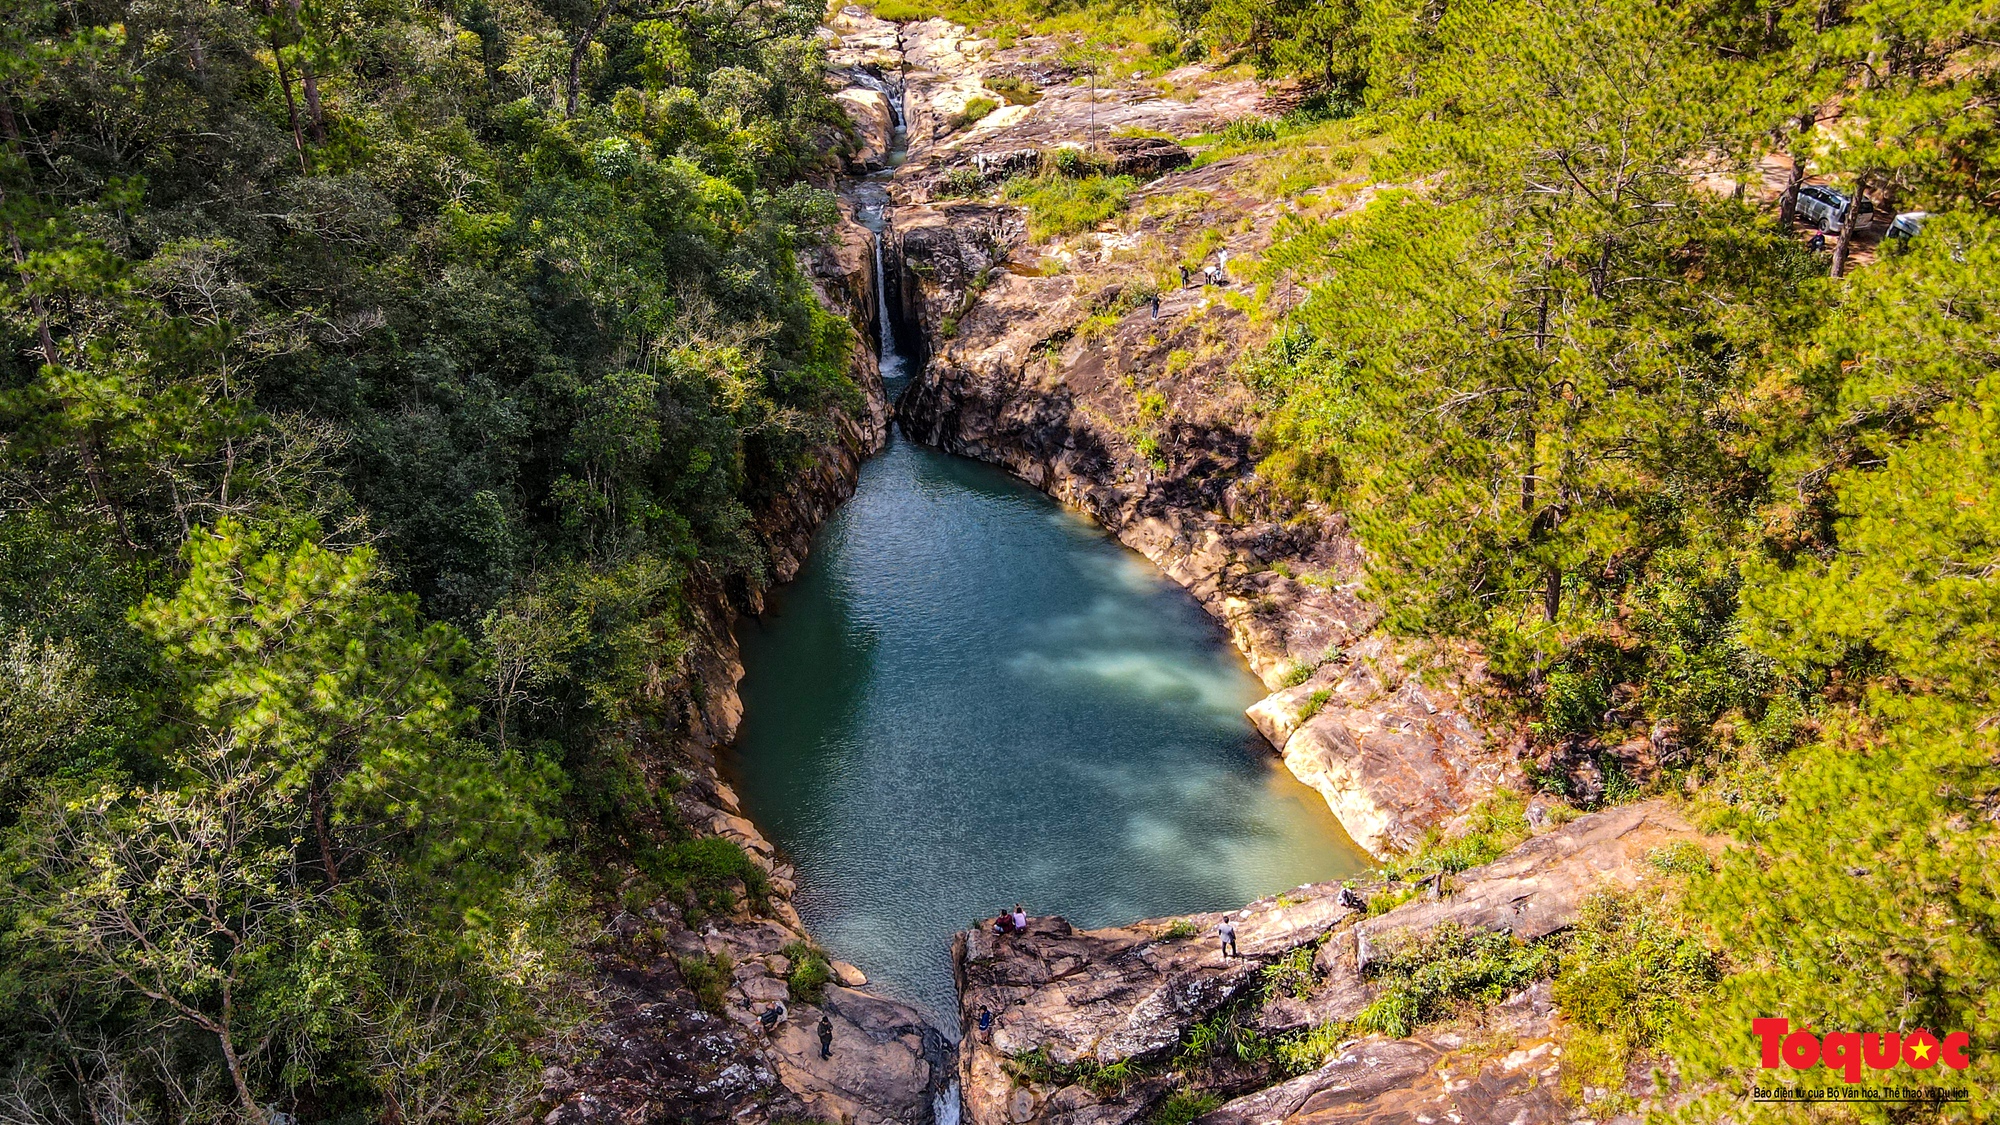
(1451, 1076)
(1066, 1001)
(1537, 888)
(1390, 756)
(874, 125)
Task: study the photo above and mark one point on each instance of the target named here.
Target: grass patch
(1037, 1068)
(1179, 930)
(976, 110)
(1314, 703)
(1308, 1050)
(1493, 826)
(1292, 974)
(1631, 971)
(1059, 205)
(1183, 1106)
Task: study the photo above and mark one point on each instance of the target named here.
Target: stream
(971, 697)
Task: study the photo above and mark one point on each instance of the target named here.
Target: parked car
(1824, 207)
(1907, 224)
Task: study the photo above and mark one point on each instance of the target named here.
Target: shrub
(1016, 91)
(707, 977)
(1291, 974)
(1183, 1106)
(1180, 929)
(960, 183)
(810, 972)
(1424, 977)
(1631, 966)
(1307, 1050)
(1682, 857)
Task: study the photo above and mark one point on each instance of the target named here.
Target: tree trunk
(318, 799)
(582, 48)
(1552, 592)
(308, 81)
(1788, 203)
(251, 1109)
(291, 103)
(1847, 223)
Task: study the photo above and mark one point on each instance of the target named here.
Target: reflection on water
(971, 698)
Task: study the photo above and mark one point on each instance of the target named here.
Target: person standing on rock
(826, 1037)
(1227, 932)
(1222, 263)
(1156, 306)
(985, 1022)
(1184, 275)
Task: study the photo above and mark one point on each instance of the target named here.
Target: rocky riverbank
(1048, 358)
(1099, 1026)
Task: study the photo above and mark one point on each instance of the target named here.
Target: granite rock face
(1537, 888)
(1450, 1076)
(1064, 1002)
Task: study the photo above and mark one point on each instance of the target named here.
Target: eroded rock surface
(1065, 1001)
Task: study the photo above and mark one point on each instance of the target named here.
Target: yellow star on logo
(1922, 1050)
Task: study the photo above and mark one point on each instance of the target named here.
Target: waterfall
(946, 1107)
(885, 333)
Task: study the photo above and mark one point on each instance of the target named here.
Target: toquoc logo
(1848, 1051)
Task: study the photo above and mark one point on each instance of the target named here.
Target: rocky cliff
(1087, 369)
(1101, 1026)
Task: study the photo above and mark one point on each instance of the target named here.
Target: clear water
(971, 697)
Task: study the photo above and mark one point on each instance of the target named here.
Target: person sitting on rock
(1227, 932)
(826, 1037)
(773, 1016)
(1020, 919)
(1003, 923)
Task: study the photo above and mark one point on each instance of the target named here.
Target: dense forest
(385, 384)
(382, 384)
(1601, 414)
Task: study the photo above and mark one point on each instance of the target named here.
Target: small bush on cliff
(1183, 1106)
(1425, 977)
(707, 977)
(810, 974)
(1630, 965)
(1308, 1050)
(1291, 974)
